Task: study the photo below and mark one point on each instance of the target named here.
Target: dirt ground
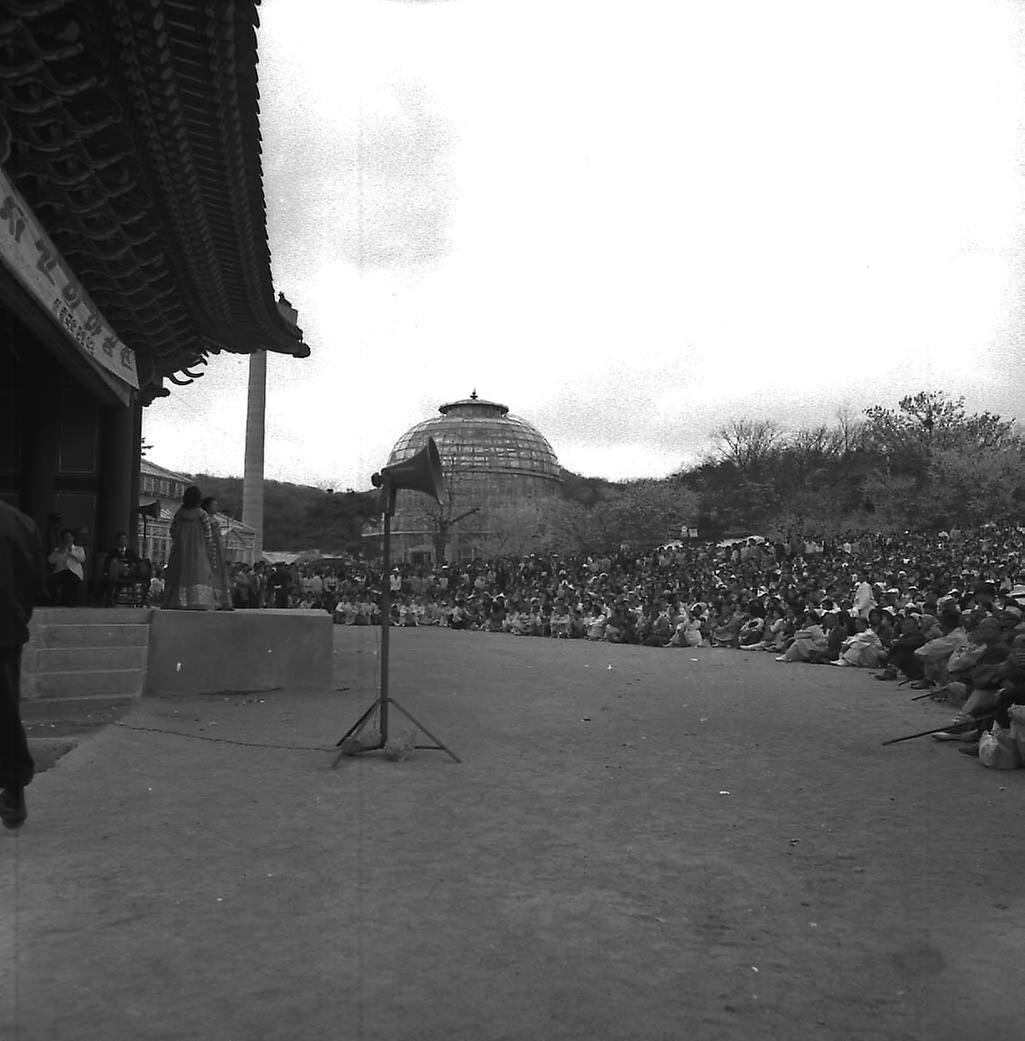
(638, 845)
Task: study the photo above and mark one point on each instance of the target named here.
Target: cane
(969, 724)
(930, 693)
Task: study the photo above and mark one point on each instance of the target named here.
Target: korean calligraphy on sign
(26, 249)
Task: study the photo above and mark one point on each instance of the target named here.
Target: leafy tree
(638, 513)
(930, 420)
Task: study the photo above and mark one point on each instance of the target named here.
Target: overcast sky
(627, 221)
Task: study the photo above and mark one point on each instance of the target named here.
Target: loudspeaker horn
(420, 473)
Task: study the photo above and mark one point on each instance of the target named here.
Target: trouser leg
(16, 766)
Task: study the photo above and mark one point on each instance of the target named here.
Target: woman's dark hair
(192, 497)
(67, 531)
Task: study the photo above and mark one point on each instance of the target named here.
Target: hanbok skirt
(188, 583)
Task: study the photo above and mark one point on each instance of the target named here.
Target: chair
(131, 584)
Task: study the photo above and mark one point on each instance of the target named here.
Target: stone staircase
(85, 654)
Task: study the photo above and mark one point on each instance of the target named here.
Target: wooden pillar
(120, 455)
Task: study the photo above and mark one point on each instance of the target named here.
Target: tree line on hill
(926, 464)
(299, 517)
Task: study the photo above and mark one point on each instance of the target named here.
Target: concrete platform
(207, 652)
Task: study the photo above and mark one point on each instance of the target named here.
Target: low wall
(204, 652)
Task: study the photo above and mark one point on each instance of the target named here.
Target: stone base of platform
(206, 652)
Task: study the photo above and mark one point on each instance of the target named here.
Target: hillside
(296, 516)
(300, 517)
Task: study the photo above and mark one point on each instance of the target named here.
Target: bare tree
(747, 443)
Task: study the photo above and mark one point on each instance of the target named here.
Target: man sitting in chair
(118, 568)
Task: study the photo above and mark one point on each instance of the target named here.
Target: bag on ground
(999, 750)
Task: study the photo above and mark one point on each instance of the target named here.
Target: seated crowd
(941, 611)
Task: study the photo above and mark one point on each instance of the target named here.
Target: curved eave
(133, 132)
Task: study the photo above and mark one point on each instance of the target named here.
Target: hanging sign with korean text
(27, 250)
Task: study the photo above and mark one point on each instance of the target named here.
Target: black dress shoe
(12, 807)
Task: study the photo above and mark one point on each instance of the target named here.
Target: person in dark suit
(22, 582)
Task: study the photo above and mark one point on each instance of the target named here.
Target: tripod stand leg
(437, 744)
(357, 726)
(353, 733)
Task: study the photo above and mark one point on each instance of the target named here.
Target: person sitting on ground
(935, 653)
(518, 614)
(496, 615)
(458, 618)
(560, 620)
(839, 627)
(810, 643)
(621, 626)
(976, 668)
(594, 622)
(1012, 689)
(901, 659)
(726, 633)
(750, 633)
(774, 632)
(982, 683)
(881, 622)
(536, 621)
(862, 649)
(409, 612)
(660, 631)
(678, 637)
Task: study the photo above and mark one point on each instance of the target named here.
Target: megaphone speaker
(420, 473)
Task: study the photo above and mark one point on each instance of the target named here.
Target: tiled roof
(132, 129)
(148, 467)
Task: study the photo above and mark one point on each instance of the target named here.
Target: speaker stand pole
(350, 743)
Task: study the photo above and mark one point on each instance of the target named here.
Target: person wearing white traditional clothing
(864, 598)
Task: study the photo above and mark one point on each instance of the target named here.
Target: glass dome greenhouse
(500, 472)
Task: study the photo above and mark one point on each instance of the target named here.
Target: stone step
(90, 616)
(103, 683)
(42, 716)
(96, 635)
(44, 659)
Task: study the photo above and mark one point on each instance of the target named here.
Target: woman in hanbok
(222, 587)
(189, 578)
